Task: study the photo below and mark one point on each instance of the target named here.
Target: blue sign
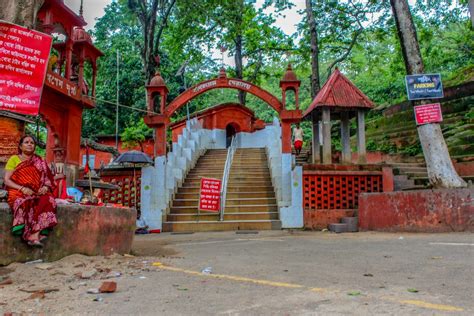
(425, 86)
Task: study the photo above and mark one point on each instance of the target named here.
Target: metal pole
(117, 102)
(187, 106)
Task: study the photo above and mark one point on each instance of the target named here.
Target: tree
(135, 134)
(22, 12)
(441, 171)
(153, 16)
(313, 31)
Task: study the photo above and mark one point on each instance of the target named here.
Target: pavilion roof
(340, 92)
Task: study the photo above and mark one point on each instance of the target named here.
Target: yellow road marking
(440, 307)
(291, 285)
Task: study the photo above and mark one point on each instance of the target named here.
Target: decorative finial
(81, 11)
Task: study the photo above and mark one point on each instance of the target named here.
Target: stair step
(227, 216)
(338, 227)
(230, 195)
(235, 189)
(228, 209)
(229, 202)
(221, 226)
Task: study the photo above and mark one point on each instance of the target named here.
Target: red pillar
(286, 137)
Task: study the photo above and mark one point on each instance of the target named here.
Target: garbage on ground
(401, 238)
(354, 293)
(412, 290)
(368, 275)
(113, 274)
(34, 261)
(142, 277)
(142, 230)
(93, 291)
(98, 299)
(88, 274)
(207, 270)
(37, 295)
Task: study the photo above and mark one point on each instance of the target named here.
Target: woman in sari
(29, 183)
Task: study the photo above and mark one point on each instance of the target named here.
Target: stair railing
(225, 175)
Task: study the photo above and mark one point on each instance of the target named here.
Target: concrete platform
(88, 230)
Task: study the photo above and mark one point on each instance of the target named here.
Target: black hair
(23, 138)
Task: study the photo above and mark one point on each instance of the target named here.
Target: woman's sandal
(35, 243)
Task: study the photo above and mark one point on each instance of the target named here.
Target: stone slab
(88, 230)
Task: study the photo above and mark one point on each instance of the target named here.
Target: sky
(94, 9)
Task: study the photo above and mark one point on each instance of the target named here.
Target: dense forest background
(358, 37)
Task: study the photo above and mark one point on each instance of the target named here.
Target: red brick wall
(418, 211)
(331, 192)
(106, 158)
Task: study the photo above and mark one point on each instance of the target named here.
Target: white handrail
(225, 175)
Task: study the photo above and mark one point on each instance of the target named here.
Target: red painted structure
(339, 92)
(159, 113)
(219, 117)
(66, 93)
(418, 211)
(101, 157)
(331, 192)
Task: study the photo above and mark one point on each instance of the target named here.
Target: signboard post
(428, 113)
(209, 195)
(24, 55)
(424, 86)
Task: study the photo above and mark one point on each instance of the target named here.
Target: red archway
(159, 122)
(222, 82)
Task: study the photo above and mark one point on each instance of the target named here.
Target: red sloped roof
(339, 91)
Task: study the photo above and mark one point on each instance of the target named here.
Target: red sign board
(428, 113)
(24, 58)
(210, 195)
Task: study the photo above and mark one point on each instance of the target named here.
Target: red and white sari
(36, 212)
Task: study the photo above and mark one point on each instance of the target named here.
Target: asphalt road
(285, 273)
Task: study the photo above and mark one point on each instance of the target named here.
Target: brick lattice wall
(332, 191)
(126, 194)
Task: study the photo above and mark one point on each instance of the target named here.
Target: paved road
(310, 273)
(300, 273)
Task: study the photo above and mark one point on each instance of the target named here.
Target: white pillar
(327, 156)
(316, 145)
(345, 138)
(361, 137)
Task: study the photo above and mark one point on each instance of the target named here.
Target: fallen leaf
(6, 282)
(39, 294)
(44, 290)
(368, 275)
(354, 293)
(436, 257)
(412, 290)
(182, 289)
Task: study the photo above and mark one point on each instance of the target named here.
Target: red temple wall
(11, 131)
(106, 157)
(219, 118)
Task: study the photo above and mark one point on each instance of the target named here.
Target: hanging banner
(24, 58)
(426, 86)
(210, 195)
(428, 113)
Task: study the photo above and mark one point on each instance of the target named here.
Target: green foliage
(135, 134)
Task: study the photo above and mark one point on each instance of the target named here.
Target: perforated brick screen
(126, 194)
(337, 191)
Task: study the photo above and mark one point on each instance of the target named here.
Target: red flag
(86, 167)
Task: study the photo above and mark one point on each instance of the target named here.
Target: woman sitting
(29, 182)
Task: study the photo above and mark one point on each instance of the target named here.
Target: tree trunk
(315, 83)
(239, 71)
(471, 11)
(441, 172)
(21, 12)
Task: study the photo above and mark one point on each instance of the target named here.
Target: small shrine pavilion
(338, 99)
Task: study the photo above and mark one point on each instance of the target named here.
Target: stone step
(228, 209)
(206, 216)
(352, 223)
(230, 189)
(230, 195)
(221, 226)
(266, 186)
(338, 228)
(229, 202)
